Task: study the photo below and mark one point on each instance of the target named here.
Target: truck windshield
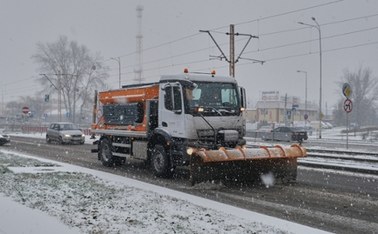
(216, 99)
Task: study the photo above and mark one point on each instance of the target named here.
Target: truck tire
(48, 140)
(105, 153)
(160, 163)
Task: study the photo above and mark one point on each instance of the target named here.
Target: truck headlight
(189, 150)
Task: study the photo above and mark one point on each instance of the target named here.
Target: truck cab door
(171, 113)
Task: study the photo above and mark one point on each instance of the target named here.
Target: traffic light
(47, 97)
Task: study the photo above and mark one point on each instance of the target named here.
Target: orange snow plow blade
(246, 164)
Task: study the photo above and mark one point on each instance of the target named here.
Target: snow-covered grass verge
(98, 202)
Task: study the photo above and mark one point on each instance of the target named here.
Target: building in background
(281, 109)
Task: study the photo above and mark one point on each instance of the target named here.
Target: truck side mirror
(242, 94)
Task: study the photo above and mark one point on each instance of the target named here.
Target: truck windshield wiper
(215, 109)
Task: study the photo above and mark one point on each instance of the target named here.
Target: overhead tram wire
(267, 60)
(161, 45)
(245, 22)
(307, 41)
(243, 64)
(312, 40)
(312, 53)
(265, 34)
(240, 23)
(280, 46)
(250, 21)
(350, 19)
(289, 56)
(324, 24)
(282, 14)
(168, 58)
(277, 32)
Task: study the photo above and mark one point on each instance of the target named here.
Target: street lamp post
(317, 26)
(118, 59)
(305, 92)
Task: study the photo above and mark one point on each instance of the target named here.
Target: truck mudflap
(245, 165)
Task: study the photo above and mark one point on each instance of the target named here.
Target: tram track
(339, 160)
(352, 161)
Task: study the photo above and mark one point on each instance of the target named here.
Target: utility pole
(232, 50)
(231, 60)
(138, 70)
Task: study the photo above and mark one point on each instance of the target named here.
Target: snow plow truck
(187, 120)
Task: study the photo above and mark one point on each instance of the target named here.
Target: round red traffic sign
(25, 110)
(348, 105)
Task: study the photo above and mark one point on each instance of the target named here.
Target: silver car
(64, 133)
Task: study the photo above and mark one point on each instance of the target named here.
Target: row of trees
(69, 70)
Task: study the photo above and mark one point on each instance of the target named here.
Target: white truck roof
(199, 77)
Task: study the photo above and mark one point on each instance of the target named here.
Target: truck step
(121, 155)
(122, 145)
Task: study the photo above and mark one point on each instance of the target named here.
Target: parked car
(308, 129)
(4, 139)
(286, 134)
(64, 133)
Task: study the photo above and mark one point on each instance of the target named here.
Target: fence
(33, 128)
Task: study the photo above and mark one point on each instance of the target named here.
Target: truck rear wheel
(160, 163)
(105, 153)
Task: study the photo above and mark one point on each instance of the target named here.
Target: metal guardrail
(351, 161)
(26, 128)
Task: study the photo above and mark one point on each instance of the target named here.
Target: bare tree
(364, 96)
(71, 70)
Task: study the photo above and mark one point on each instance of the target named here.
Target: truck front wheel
(105, 152)
(160, 163)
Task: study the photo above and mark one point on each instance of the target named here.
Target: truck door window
(177, 103)
(168, 103)
(172, 99)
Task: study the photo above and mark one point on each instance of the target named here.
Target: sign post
(348, 106)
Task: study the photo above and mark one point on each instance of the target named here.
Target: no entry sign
(25, 110)
(348, 105)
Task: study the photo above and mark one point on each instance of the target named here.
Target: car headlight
(67, 136)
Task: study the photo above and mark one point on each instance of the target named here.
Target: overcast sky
(172, 41)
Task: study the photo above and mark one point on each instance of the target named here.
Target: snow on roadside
(16, 218)
(99, 202)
